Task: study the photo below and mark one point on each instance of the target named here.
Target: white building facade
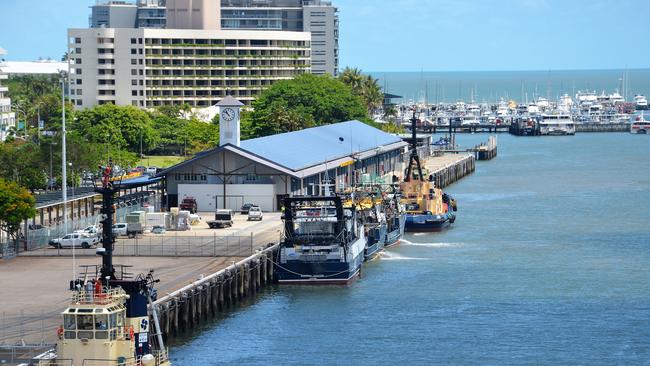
(149, 68)
(7, 117)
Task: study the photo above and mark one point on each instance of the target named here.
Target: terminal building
(264, 170)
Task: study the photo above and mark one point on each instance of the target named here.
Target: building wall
(113, 15)
(194, 14)
(7, 117)
(209, 197)
(154, 67)
(323, 23)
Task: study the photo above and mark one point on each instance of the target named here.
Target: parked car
(255, 213)
(119, 229)
(244, 209)
(158, 230)
(76, 240)
(152, 170)
(222, 218)
(188, 204)
(90, 232)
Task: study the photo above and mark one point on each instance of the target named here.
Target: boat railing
(103, 297)
(159, 358)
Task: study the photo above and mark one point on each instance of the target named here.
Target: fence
(175, 244)
(40, 238)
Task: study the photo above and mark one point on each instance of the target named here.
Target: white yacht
(640, 125)
(543, 103)
(641, 102)
(556, 124)
(566, 103)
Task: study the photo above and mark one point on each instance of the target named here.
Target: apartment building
(127, 14)
(148, 67)
(319, 17)
(7, 117)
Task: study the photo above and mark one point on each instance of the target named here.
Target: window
(85, 322)
(134, 82)
(134, 93)
(134, 72)
(77, 50)
(77, 61)
(69, 322)
(134, 61)
(78, 91)
(132, 40)
(78, 81)
(77, 40)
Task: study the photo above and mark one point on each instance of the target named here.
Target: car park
(255, 213)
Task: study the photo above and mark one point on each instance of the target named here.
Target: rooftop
(33, 67)
(305, 148)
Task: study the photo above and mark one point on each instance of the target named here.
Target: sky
(416, 35)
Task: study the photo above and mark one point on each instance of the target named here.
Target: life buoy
(59, 332)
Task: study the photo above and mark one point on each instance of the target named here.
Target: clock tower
(229, 121)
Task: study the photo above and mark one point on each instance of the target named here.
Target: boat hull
(318, 273)
(428, 223)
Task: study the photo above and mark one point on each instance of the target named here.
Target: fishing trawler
(107, 321)
(427, 207)
(395, 219)
(323, 242)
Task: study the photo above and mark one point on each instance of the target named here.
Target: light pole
(64, 175)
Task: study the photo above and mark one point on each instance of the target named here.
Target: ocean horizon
(521, 86)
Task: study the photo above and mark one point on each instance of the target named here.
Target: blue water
(490, 86)
(547, 263)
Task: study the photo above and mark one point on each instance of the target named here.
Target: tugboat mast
(414, 153)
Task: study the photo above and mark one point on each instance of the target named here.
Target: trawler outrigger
(107, 322)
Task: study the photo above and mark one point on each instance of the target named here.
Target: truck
(222, 218)
(188, 204)
(135, 222)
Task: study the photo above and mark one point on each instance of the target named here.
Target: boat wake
(392, 256)
(431, 245)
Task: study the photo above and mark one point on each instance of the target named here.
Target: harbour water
(547, 263)
(490, 86)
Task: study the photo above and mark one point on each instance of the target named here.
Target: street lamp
(64, 176)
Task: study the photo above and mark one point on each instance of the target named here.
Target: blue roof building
(264, 170)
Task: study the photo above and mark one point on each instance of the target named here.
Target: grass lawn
(160, 161)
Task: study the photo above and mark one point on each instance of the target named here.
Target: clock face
(228, 114)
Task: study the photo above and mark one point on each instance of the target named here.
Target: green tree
(122, 127)
(21, 162)
(16, 206)
(366, 87)
(305, 101)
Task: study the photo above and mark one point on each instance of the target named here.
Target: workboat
(323, 242)
(427, 207)
(640, 125)
(110, 319)
(395, 220)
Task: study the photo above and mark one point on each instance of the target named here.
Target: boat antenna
(414, 153)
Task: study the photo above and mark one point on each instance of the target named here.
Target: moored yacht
(641, 102)
(556, 124)
(640, 125)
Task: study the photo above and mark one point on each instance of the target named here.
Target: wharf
(450, 167)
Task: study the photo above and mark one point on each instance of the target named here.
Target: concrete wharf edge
(450, 168)
(181, 310)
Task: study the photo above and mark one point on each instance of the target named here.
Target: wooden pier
(200, 301)
(449, 168)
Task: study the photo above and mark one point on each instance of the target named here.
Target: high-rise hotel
(158, 52)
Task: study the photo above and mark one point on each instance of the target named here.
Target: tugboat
(323, 242)
(427, 207)
(107, 321)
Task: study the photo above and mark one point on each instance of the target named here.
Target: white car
(76, 240)
(119, 229)
(255, 213)
(89, 232)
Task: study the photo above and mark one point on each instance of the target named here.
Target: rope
(304, 275)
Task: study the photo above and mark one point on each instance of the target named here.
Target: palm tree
(371, 93)
(353, 78)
